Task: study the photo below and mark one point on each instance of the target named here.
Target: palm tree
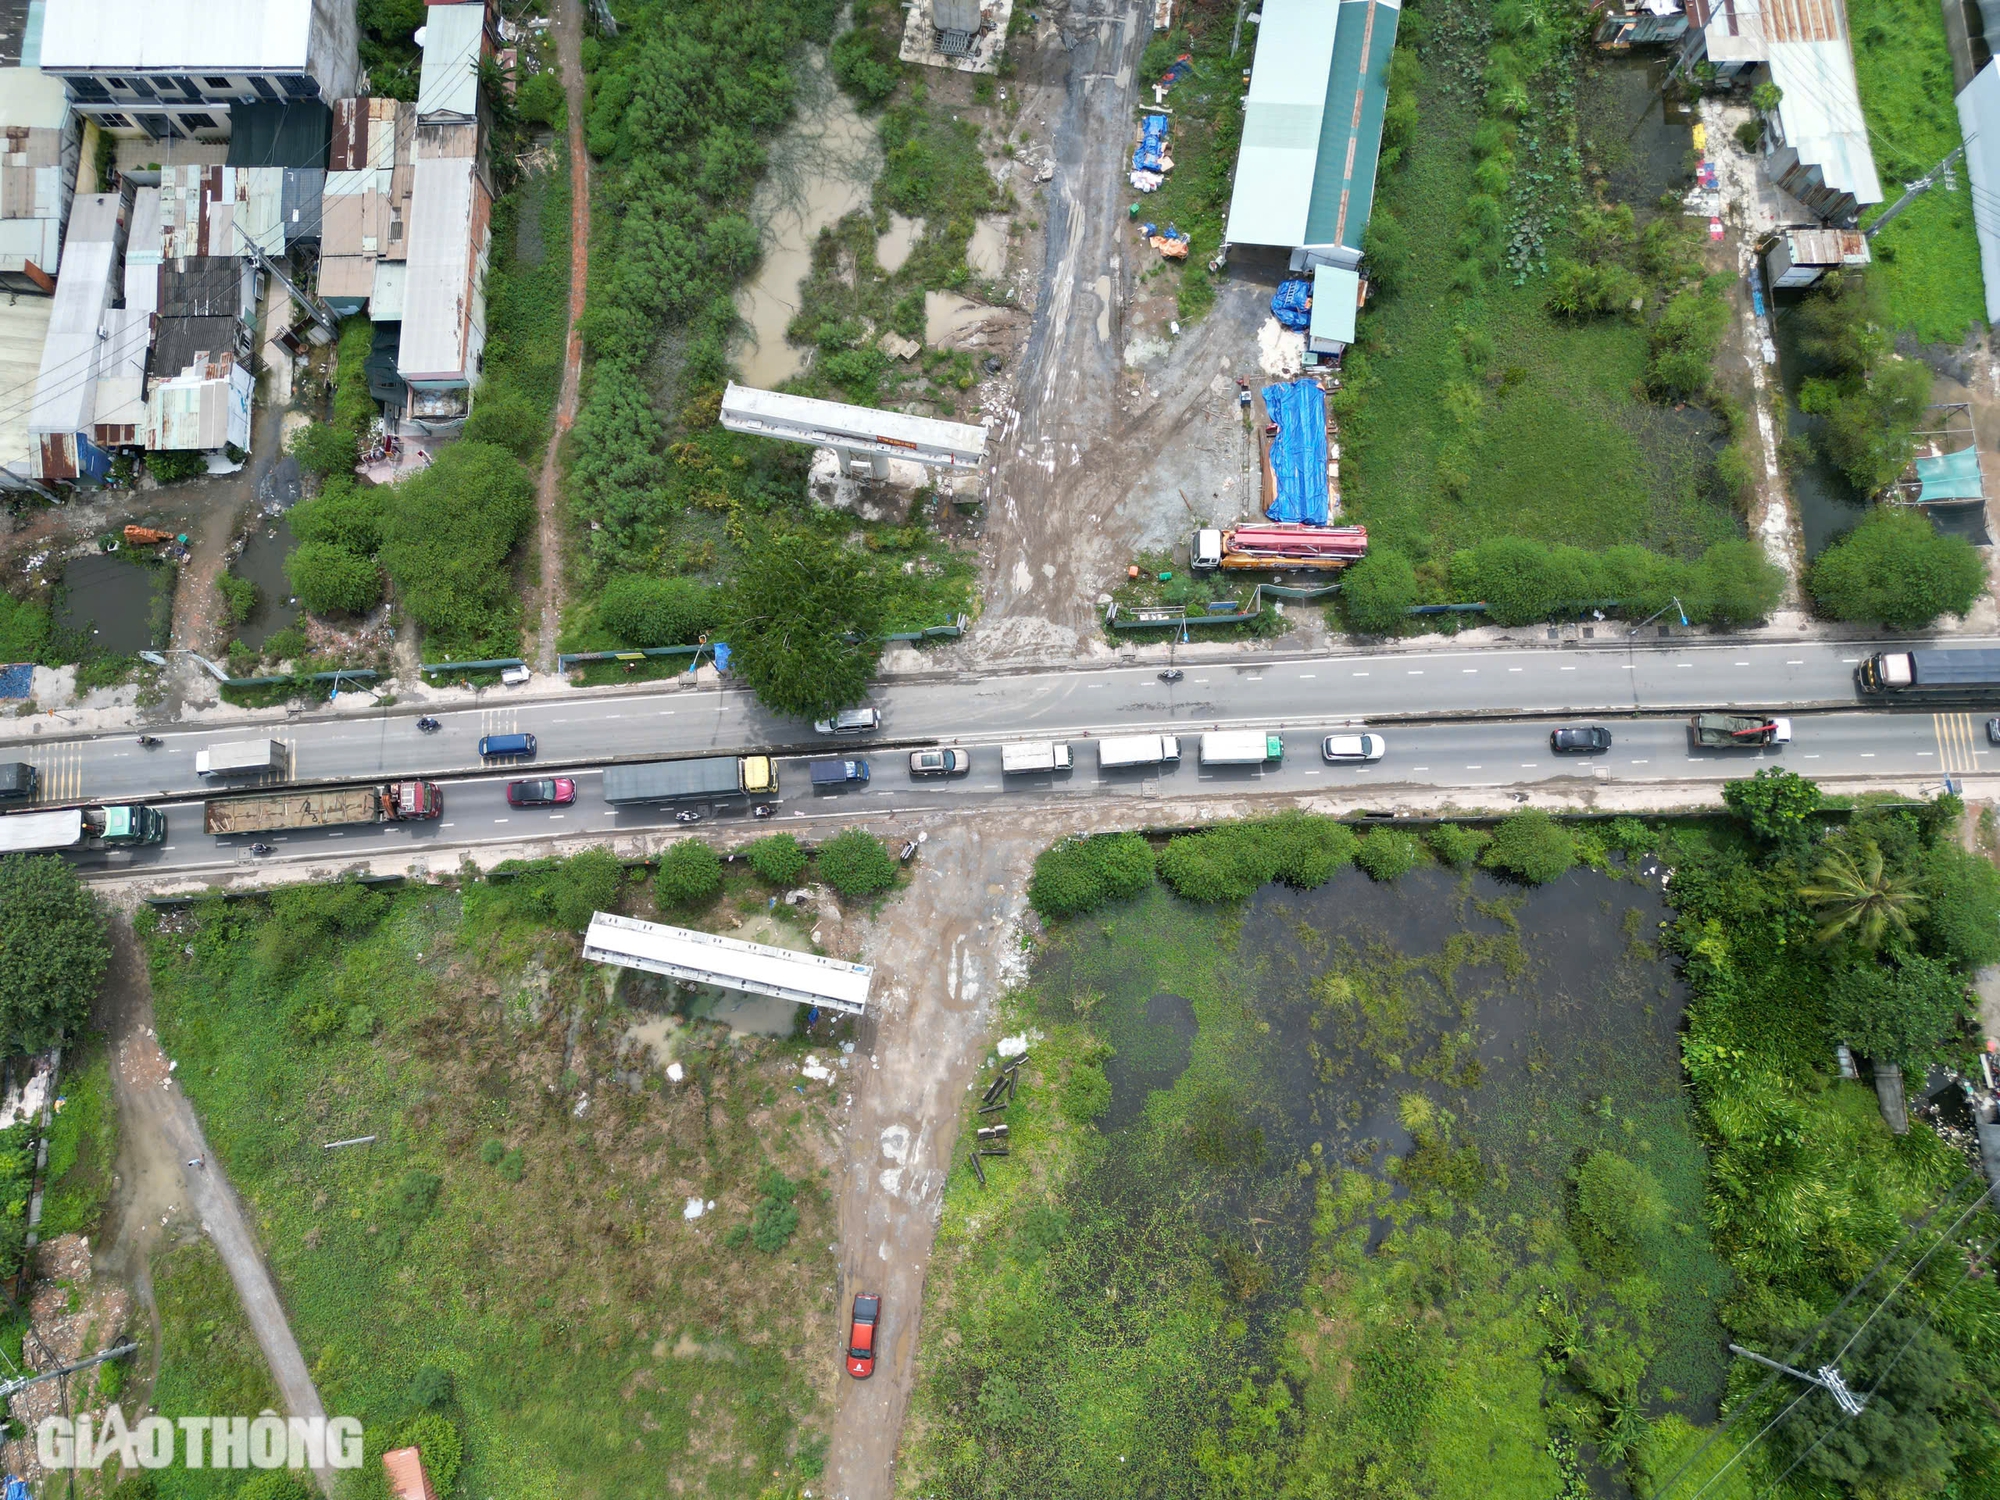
(1860, 897)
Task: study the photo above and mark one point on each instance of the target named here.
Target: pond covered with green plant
(1406, 1166)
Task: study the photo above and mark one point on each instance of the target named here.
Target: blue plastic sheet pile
(1150, 155)
(1298, 451)
(1291, 304)
(17, 681)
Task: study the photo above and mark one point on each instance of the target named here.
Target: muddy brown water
(1543, 1020)
(120, 604)
(262, 561)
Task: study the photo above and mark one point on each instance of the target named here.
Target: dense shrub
(803, 624)
(330, 579)
(53, 951)
(1897, 568)
(778, 859)
(1081, 874)
(1230, 862)
(563, 892)
(239, 596)
(856, 863)
(1779, 805)
(689, 873)
(322, 448)
(446, 539)
(1388, 854)
(1455, 844)
(345, 513)
(1531, 846)
(1618, 1209)
(1902, 1014)
(644, 610)
(1681, 364)
(437, 1441)
(1305, 849)
(1377, 592)
(866, 66)
(776, 1217)
(172, 465)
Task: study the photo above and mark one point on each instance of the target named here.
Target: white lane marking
(168, 848)
(1639, 762)
(1631, 666)
(1307, 676)
(499, 820)
(1527, 765)
(1812, 757)
(557, 817)
(1416, 671)
(1569, 669)
(1743, 664)
(447, 825)
(336, 835)
(1867, 754)
(1475, 768)
(1517, 669)
(1685, 666)
(1314, 773)
(1360, 674)
(1798, 662)
(1849, 661)
(1926, 752)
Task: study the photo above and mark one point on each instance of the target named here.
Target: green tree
(1456, 845)
(1860, 897)
(1961, 895)
(689, 874)
(856, 863)
(1377, 592)
(329, 579)
(447, 537)
(1736, 583)
(53, 951)
(803, 626)
(1388, 854)
(1901, 1014)
(1897, 568)
(1899, 1444)
(322, 448)
(778, 859)
(1081, 874)
(644, 610)
(1779, 806)
(239, 594)
(345, 513)
(1531, 846)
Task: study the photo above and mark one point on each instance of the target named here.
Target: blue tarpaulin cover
(17, 1489)
(1150, 154)
(1298, 452)
(1951, 476)
(17, 681)
(721, 653)
(1290, 304)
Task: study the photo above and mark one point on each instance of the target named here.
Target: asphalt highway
(1476, 755)
(580, 731)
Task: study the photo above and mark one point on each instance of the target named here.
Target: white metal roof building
(66, 389)
(706, 958)
(455, 38)
(171, 68)
(444, 317)
(1979, 122)
(40, 146)
(24, 329)
(862, 430)
(204, 407)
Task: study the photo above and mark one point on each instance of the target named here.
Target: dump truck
(1123, 750)
(123, 826)
(1960, 673)
(1275, 545)
(1738, 731)
(1035, 755)
(703, 778)
(241, 758)
(1241, 747)
(333, 807)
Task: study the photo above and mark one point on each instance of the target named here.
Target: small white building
(40, 145)
(64, 413)
(205, 407)
(170, 69)
(1801, 256)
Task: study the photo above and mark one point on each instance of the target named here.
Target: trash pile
(1150, 162)
(1170, 242)
(1292, 304)
(1183, 65)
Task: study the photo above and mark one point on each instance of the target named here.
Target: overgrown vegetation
(544, 1307)
(53, 951)
(1869, 400)
(1898, 569)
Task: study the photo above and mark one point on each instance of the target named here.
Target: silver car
(850, 721)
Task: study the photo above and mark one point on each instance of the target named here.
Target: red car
(552, 791)
(861, 1337)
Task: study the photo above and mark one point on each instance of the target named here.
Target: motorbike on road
(150, 741)
(429, 725)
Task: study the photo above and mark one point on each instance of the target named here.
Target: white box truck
(1124, 750)
(1241, 747)
(1035, 755)
(244, 758)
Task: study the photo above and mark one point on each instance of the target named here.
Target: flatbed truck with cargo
(332, 807)
(1738, 731)
(702, 778)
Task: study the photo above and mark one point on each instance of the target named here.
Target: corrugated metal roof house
(24, 331)
(1818, 140)
(39, 151)
(456, 37)
(1979, 122)
(364, 212)
(1312, 129)
(66, 387)
(205, 407)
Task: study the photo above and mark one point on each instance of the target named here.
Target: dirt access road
(158, 1135)
(548, 500)
(942, 950)
(1117, 445)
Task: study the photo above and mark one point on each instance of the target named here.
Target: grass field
(518, 1224)
(1927, 261)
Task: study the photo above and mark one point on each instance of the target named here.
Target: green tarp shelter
(1952, 476)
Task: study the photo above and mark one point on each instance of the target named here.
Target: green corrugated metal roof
(1350, 139)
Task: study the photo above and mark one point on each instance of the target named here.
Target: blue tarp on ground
(1150, 154)
(1298, 452)
(1952, 476)
(17, 681)
(1291, 304)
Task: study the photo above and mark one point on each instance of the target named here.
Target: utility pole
(1826, 1377)
(22, 1384)
(1913, 191)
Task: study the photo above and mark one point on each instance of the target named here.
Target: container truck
(1274, 545)
(18, 781)
(1035, 755)
(1738, 731)
(1123, 750)
(1963, 672)
(123, 826)
(1241, 747)
(334, 807)
(705, 777)
(243, 758)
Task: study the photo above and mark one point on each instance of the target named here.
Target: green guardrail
(569, 659)
(345, 674)
(471, 666)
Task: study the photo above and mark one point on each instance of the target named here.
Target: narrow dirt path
(569, 58)
(941, 950)
(158, 1135)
